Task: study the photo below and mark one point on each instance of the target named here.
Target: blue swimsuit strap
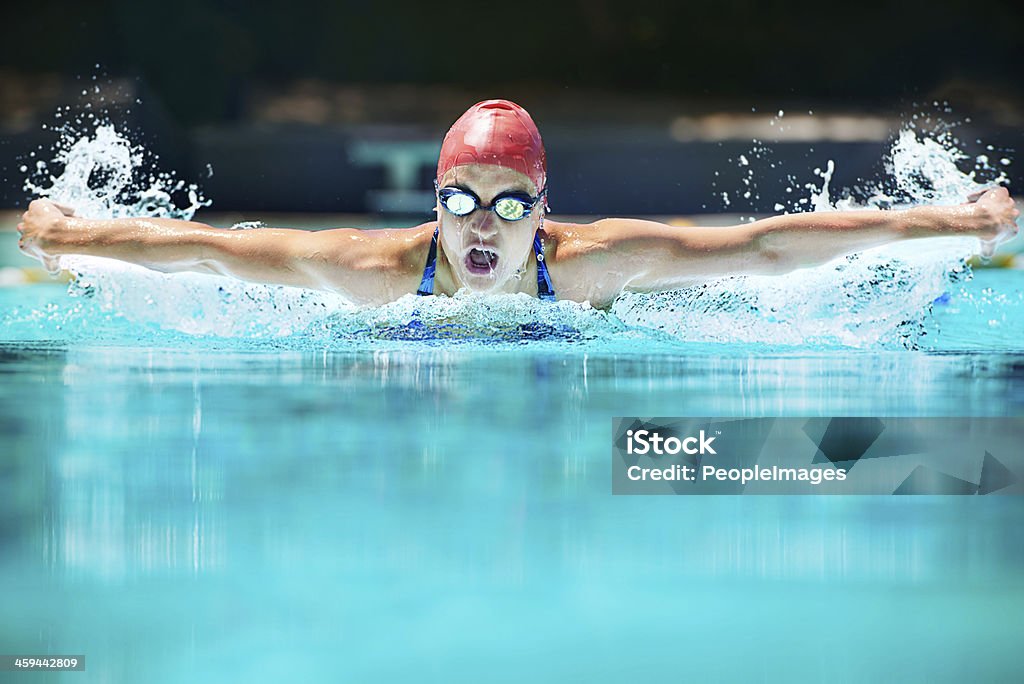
(545, 290)
(427, 282)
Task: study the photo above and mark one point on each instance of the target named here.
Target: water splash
(477, 317)
(102, 175)
(881, 297)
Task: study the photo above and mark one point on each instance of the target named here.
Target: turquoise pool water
(396, 510)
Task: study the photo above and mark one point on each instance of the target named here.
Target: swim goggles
(511, 206)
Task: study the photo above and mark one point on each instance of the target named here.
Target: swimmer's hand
(995, 214)
(42, 228)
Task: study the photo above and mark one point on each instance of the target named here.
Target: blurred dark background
(340, 106)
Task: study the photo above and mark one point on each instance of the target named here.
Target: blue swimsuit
(544, 288)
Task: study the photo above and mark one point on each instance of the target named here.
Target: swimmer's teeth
(483, 257)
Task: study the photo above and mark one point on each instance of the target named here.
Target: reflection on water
(177, 514)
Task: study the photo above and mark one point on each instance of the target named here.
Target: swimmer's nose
(487, 226)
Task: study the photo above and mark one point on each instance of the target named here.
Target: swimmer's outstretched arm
(361, 265)
(648, 256)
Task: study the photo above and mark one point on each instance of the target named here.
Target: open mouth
(481, 261)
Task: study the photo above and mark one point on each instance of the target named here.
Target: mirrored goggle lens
(459, 203)
(510, 208)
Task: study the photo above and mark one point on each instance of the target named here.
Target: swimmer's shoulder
(578, 257)
(408, 247)
(394, 250)
(404, 252)
(567, 242)
(375, 265)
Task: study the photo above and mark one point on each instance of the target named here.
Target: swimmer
(491, 235)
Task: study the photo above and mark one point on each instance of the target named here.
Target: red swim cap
(495, 132)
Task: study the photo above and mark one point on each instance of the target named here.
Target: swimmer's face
(485, 250)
